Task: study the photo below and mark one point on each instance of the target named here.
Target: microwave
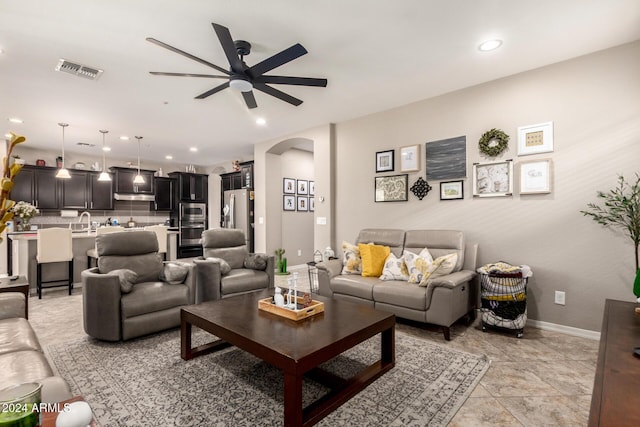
(193, 212)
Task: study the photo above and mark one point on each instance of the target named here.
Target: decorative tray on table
(314, 308)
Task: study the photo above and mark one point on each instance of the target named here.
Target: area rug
(144, 382)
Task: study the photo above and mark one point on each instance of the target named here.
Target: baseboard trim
(569, 330)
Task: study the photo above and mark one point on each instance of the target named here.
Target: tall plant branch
(9, 171)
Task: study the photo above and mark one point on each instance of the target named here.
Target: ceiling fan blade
(284, 80)
(277, 93)
(287, 55)
(210, 76)
(229, 47)
(188, 55)
(249, 99)
(212, 91)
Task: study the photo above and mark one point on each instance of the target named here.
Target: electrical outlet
(560, 297)
(299, 252)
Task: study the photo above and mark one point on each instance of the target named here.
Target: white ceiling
(376, 55)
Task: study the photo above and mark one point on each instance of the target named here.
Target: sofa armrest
(326, 271)
(208, 278)
(11, 305)
(101, 305)
(454, 279)
(190, 282)
(270, 270)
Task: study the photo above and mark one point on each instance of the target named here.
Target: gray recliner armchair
(226, 267)
(133, 292)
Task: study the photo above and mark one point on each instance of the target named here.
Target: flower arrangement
(9, 171)
(24, 210)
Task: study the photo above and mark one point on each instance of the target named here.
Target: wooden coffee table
(297, 348)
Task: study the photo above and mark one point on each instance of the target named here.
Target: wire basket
(504, 301)
(313, 277)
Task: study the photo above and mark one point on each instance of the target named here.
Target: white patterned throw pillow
(417, 264)
(439, 267)
(351, 260)
(394, 269)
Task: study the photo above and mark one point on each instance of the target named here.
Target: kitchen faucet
(88, 220)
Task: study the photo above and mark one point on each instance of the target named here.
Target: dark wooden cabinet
(123, 178)
(165, 191)
(38, 186)
(100, 192)
(239, 179)
(246, 175)
(74, 192)
(192, 187)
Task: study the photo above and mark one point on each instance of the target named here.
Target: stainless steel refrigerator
(238, 213)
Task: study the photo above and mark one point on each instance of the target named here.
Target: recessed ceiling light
(124, 138)
(105, 148)
(168, 157)
(490, 45)
(15, 120)
(193, 149)
(261, 121)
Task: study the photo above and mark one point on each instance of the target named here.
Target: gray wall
(594, 102)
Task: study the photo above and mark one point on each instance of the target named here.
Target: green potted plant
(621, 209)
(281, 262)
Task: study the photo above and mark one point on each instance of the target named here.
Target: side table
(18, 285)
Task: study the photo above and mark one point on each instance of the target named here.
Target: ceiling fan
(243, 77)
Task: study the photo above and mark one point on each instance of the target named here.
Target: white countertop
(33, 235)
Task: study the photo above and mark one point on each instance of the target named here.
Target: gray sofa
(21, 357)
(152, 303)
(445, 300)
(226, 267)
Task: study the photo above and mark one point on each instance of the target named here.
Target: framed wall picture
(384, 161)
(535, 176)
(410, 158)
(446, 159)
(312, 204)
(535, 139)
(289, 186)
(312, 188)
(391, 188)
(289, 203)
(303, 186)
(452, 190)
(303, 203)
(493, 179)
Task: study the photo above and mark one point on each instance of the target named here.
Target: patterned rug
(144, 382)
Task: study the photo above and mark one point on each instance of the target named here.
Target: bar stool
(53, 246)
(161, 234)
(93, 252)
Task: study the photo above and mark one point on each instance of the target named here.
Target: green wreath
(491, 148)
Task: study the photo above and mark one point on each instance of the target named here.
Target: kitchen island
(23, 248)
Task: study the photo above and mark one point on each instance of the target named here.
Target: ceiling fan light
(240, 85)
(63, 173)
(104, 176)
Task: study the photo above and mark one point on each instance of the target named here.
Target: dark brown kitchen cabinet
(192, 187)
(38, 186)
(165, 188)
(100, 192)
(74, 192)
(123, 178)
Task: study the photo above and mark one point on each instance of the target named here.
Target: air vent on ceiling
(78, 70)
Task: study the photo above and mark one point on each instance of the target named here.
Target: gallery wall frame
(452, 190)
(289, 186)
(536, 176)
(303, 186)
(385, 161)
(312, 188)
(446, 159)
(312, 204)
(288, 203)
(391, 188)
(493, 179)
(410, 158)
(535, 139)
(303, 203)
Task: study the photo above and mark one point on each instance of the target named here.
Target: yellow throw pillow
(373, 258)
(351, 262)
(440, 266)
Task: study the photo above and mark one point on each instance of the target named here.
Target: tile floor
(543, 379)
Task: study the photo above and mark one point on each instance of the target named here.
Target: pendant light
(138, 179)
(63, 172)
(104, 175)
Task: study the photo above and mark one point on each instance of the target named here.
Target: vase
(636, 284)
(24, 225)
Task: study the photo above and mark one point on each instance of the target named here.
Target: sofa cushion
(23, 367)
(127, 279)
(440, 266)
(256, 261)
(394, 269)
(147, 266)
(174, 272)
(357, 286)
(402, 294)
(148, 297)
(383, 236)
(225, 268)
(439, 242)
(243, 280)
(351, 260)
(373, 258)
(233, 255)
(417, 264)
(16, 334)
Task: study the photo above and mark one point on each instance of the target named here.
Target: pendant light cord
(63, 125)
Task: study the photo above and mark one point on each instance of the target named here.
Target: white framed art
(535, 176)
(493, 179)
(410, 158)
(535, 139)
